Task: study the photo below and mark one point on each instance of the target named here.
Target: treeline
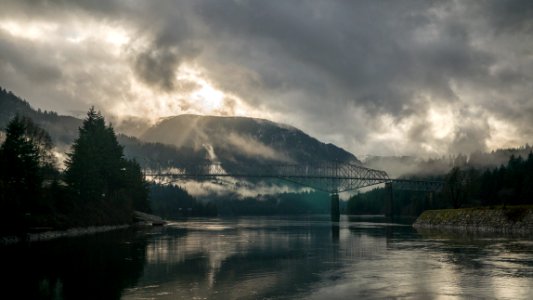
(510, 184)
(415, 166)
(275, 204)
(405, 203)
(173, 202)
(464, 186)
(98, 187)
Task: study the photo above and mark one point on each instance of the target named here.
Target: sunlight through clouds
(442, 122)
(426, 79)
(502, 133)
(29, 30)
(194, 95)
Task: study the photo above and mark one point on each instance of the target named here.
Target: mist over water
(272, 258)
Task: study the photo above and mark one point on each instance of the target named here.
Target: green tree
(99, 176)
(23, 156)
(95, 163)
(135, 186)
(455, 186)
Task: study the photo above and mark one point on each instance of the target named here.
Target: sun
(210, 98)
(441, 122)
(194, 94)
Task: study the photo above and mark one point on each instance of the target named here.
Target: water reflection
(335, 232)
(484, 264)
(252, 258)
(273, 258)
(99, 266)
(278, 258)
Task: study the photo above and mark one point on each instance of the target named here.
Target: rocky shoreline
(497, 220)
(54, 234)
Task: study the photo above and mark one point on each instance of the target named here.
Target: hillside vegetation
(98, 187)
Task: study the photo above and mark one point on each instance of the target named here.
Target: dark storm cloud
(380, 56)
(365, 47)
(347, 71)
(19, 56)
(508, 16)
(157, 67)
(173, 39)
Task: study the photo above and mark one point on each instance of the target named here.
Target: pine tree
(99, 176)
(21, 159)
(93, 166)
(455, 186)
(136, 186)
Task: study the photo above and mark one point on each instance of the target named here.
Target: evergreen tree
(527, 192)
(455, 186)
(23, 154)
(94, 165)
(99, 176)
(135, 186)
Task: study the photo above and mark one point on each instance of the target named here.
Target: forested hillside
(245, 140)
(98, 187)
(466, 185)
(62, 129)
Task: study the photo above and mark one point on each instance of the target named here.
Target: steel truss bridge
(328, 177)
(332, 177)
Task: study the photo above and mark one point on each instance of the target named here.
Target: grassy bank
(496, 219)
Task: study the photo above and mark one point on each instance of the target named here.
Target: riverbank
(512, 219)
(141, 220)
(54, 234)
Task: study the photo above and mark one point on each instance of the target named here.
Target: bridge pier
(389, 200)
(335, 209)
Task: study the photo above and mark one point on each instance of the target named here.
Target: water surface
(273, 258)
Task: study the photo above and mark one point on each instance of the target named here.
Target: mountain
(155, 155)
(189, 139)
(62, 129)
(242, 140)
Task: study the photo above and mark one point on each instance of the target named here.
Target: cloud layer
(375, 77)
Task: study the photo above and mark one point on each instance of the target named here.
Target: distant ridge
(63, 129)
(243, 139)
(192, 138)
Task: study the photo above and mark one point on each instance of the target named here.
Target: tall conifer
(21, 160)
(99, 175)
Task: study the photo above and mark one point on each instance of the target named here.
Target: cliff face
(511, 219)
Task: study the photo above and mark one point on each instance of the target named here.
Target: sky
(425, 78)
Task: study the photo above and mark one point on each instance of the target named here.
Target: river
(271, 258)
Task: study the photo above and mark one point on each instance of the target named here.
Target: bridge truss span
(329, 177)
